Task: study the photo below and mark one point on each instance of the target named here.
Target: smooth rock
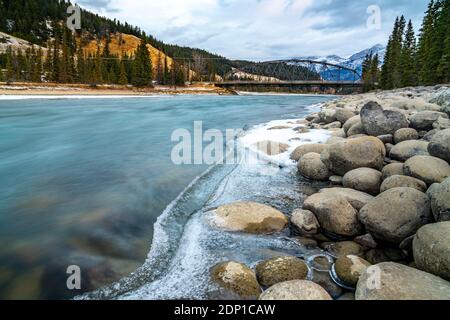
(355, 130)
(281, 269)
(237, 278)
(300, 290)
(398, 282)
(333, 125)
(363, 179)
(396, 214)
(335, 214)
(324, 280)
(305, 222)
(336, 180)
(428, 136)
(249, 217)
(356, 198)
(312, 167)
(431, 249)
(408, 149)
(351, 122)
(440, 200)
(343, 115)
(389, 148)
(386, 138)
(442, 124)
(305, 149)
(424, 120)
(350, 268)
(392, 169)
(345, 156)
(327, 116)
(377, 122)
(398, 181)
(427, 168)
(405, 134)
(440, 145)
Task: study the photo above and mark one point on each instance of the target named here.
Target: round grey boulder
(396, 214)
(423, 121)
(403, 181)
(440, 145)
(344, 114)
(408, 149)
(405, 134)
(307, 148)
(363, 179)
(392, 170)
(377, 122)
(312, 167)
(335, 214)
(440, 200)
(431, 248)
(355, 130)
(364, 152)
(393, 281)
(428, 169)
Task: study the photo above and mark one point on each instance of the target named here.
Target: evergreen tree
(441, 47)
(123, 78)
(142, 66)
(408, 55)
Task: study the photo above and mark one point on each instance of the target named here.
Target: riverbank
(382, 217)
(350, 202)
(51, 89)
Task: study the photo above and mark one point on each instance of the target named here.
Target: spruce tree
(123, 78)
(423, 62)
(408, 70)
(441, 47)
(389, 60)
(142, 66)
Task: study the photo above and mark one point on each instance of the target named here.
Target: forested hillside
(412, 61)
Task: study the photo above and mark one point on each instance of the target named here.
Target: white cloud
(258, 29)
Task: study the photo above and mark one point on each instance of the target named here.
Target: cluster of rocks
(385, 214)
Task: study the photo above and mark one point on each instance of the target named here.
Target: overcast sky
(263, 29)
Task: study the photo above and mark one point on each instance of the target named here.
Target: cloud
(263, 29)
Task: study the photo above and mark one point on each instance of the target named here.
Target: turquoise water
(82, 181)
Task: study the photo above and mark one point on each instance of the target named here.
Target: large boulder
(249, 217)
(442, 124)
(363, 179)
(307, 148)
(440, 200)
(428, 169)
(403, 181)
(236, 278)
(305, 222)
(349, 269)
(405, 134)
(440, 145)
(423, 121)
(393, 281)
(344, 248)
(377, 122)
(356, 130)
(335, 214)
(396, 214)
(408, 149)
(392, 169)
(431, 248)
(300, 290)
(356, 198)
(281, 269)
(364, 152)
(312, 167)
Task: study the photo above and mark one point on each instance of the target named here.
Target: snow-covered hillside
(353, 62)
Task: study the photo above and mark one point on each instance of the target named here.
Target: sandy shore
(38, 89)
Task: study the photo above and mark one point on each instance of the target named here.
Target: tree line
(412, 61)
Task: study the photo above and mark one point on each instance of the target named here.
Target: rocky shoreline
(383, 221)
